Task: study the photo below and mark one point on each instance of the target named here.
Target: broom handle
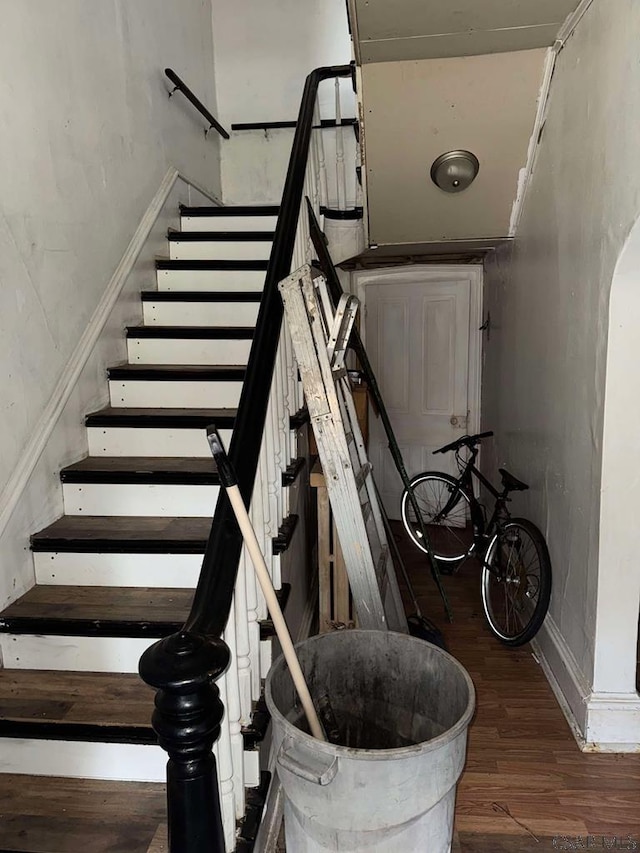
(228, 480)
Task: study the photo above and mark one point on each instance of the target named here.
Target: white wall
(87, 135)
(549, 301)
(263, 53)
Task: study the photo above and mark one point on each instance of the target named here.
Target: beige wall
(546, 360)
(415, 111)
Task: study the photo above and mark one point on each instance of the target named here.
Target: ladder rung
(382, 572)
(362, 475)
(349, 436)
(366, 511)
(338, 374)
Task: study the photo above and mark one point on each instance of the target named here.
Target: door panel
(417, 337)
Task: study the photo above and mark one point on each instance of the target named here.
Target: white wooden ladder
(320, 334)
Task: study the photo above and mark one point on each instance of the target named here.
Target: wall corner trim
(613, 723)
(524, 177)
(63, 389)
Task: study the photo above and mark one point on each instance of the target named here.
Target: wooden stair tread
(201, 295)
(220, 236)
(174, 418)
(177, 372)
(41, 814)
(99, 604)
(97, 698)
(192, 332)
(106, 532)
(231, 210)
(142, 469)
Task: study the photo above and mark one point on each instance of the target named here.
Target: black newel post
(187, 720)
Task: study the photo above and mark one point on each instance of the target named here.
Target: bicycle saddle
(510, 482)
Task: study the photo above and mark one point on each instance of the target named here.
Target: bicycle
(516, 569)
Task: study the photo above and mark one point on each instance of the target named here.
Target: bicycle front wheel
(516, 582)
(444, 509)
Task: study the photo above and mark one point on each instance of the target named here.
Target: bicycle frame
(483, 531)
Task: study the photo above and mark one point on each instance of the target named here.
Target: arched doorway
(614, 705)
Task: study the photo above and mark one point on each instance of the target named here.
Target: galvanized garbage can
(403, 707)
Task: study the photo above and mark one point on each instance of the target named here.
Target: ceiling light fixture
(454, 171)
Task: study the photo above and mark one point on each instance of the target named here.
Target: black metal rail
(183, 667)
(181, 86)
(325, 124)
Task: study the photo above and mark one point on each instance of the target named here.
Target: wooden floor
(525, 781)
(524, 784)
(80, 816)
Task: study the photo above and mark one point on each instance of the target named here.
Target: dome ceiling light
(454, 171)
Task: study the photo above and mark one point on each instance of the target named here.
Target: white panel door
(417, 338)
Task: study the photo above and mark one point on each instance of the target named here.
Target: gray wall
(549, 302)
(87, 134)
(263, 53)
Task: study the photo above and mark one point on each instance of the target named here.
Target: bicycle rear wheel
(444, 509)
(516, 582)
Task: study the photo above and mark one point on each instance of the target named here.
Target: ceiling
(432, 29)
(415, 111)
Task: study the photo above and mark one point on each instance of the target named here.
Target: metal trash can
(403, 707)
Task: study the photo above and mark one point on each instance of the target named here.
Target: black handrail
(181, 86)
(215, 588)
(184, 666)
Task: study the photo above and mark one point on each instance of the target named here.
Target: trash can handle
(308, 764)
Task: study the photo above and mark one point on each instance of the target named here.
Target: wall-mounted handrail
(181, 86)
(184, 666)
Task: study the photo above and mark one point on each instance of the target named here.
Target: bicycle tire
(433, 490)
(521, 539)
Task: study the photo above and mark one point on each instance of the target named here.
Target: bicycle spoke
(443, 510)
(516, 611)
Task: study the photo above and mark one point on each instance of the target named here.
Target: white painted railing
(241, 685)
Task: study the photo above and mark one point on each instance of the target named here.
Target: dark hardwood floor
(47, 815)
(525, 781)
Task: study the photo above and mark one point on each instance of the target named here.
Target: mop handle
(230, 485)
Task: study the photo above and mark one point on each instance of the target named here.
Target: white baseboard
(564, 675)
(599, 722)
(613, 723)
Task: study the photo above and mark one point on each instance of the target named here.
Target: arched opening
(614, 706)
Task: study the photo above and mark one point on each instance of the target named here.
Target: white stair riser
(219, 250)
(187, 351)
(213, 280)
(266, 657)
(86, 654)
(228, 223)
(83, 759)
(251, 768)
(200, 313)
(179, 394)
(131, 569)
(139, 441)
(138, 499)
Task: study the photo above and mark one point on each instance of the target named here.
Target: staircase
(118, 569)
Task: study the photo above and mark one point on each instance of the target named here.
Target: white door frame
(424, 273)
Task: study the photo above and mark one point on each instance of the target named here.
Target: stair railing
(180, 86)
(202, 702)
